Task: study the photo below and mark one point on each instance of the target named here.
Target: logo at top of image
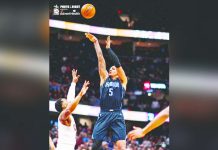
(88, 11)
(56, 10)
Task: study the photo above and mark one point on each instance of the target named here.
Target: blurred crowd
(142, 65)
(84, 140)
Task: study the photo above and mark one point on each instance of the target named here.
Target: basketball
(88, 11)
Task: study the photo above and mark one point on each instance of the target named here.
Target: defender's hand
(91, 37)
(84, 88)
(75, 76)
(108, 42)
(136, 133)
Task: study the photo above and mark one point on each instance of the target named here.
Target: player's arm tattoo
(101, 61)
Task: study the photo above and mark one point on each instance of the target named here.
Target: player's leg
(121, 144)
(96, 144)
(100, 131)
(118, 127)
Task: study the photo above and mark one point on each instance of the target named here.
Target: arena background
(144, 56)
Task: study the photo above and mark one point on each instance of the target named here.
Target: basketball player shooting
(112, 91)
(66, 124)
(156, 122)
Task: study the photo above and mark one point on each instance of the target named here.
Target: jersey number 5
(110, 91)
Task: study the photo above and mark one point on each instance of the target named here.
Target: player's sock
(96, 145)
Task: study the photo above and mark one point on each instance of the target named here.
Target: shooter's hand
(91, 37)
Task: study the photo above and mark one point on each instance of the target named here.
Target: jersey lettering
(112, 84)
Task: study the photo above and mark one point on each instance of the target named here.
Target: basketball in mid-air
(88, 11)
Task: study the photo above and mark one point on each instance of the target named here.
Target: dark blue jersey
(111, 94)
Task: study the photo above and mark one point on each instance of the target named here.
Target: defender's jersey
(66, 136)
(111, 94)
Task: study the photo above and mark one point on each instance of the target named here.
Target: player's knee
(121, 145)
(96, 145)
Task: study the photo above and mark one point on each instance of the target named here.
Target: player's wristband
(113, 57)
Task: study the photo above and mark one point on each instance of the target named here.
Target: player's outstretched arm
(101, 61)
(156, 122)
(71, 92)
(116, 62)
(71, 106)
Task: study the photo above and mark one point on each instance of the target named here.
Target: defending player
(66, 124)
(156, 122)
(112, 91)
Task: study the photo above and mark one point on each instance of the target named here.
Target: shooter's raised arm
(116, 62)
(101, 62)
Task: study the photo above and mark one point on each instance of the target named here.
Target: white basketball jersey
(66, 136)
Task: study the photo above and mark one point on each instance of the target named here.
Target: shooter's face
(64, 103)
(112, 71)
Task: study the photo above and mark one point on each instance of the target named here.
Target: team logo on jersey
(56, 10)
(112, 84)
